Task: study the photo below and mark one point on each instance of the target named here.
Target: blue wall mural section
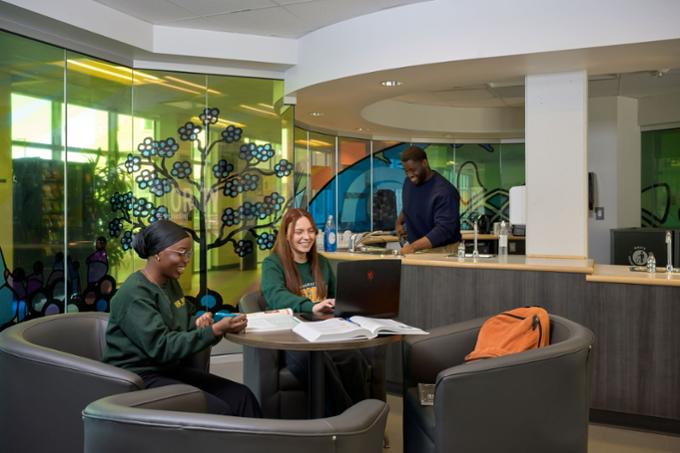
(483, 174)
(354, 210)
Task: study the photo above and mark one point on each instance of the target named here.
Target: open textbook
(356, 327)
(271, 321)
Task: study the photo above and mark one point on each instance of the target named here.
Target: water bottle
(461, 249)
(651, 264)
(330, 236)
(503, 240)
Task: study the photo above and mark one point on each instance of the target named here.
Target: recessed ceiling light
(391, 83)
(362, 129)
(316, 114)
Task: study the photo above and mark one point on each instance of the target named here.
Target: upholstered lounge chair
(50, 369)
(534, 401)
(174, 418)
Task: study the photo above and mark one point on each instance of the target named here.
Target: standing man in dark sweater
(429, 216)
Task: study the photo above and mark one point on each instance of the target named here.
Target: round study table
(290, 341)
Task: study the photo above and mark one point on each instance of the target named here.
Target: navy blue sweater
(431, 209)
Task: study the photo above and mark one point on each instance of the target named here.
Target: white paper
(271, 321)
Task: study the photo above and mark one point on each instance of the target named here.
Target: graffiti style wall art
(25, 295)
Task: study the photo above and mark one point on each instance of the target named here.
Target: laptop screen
(368, 288)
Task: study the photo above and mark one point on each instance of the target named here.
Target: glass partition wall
(33, 181)
(364, 194)
(661, 178)
(93, 151)
(99, 125)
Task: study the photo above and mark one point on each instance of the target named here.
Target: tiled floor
(602, 439)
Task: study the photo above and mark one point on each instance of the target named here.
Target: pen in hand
(226, 322)
(225, 314)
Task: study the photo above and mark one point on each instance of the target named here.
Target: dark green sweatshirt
(277, 294)
(152, 328)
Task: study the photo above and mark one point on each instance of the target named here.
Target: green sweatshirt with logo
(277, 294)
(152, 328)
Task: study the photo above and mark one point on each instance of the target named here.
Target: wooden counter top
(607, 273)
(469, 236)
(344, 255)
(603, 273)
(511, 262)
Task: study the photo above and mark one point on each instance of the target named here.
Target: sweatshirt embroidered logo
(370, 276)
(179, 303)
(308, 290)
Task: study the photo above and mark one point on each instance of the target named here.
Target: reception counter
(602, 273)
(510, 262)
(635, 318)
(605, 273)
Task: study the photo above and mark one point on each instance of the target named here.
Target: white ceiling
(483, 83)
(510, 93)
(351, 104)
(280, 18)
(477, 84)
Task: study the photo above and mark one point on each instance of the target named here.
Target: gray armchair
(50, 369)
(174, 418)
(280, 393)
(534, 401)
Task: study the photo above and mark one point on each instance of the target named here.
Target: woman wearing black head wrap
(152, 328)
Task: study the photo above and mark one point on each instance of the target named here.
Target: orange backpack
(512, 331)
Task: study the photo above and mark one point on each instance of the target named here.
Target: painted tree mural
(158, 172)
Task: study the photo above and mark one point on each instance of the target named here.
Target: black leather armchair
(174, 418)
(279, 392)
(50, 369)
(534, 401)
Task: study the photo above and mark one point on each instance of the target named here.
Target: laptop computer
(368, 288)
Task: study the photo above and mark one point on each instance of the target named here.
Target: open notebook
(271, 321)
(354, 328)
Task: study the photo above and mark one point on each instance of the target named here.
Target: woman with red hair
(295, 276)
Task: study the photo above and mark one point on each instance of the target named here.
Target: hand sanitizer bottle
(503, 240)
(330, 236)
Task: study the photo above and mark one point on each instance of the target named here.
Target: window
(31, 119)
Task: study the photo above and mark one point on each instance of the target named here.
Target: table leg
(316, 385)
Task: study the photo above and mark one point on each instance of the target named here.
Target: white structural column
(556, 122)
